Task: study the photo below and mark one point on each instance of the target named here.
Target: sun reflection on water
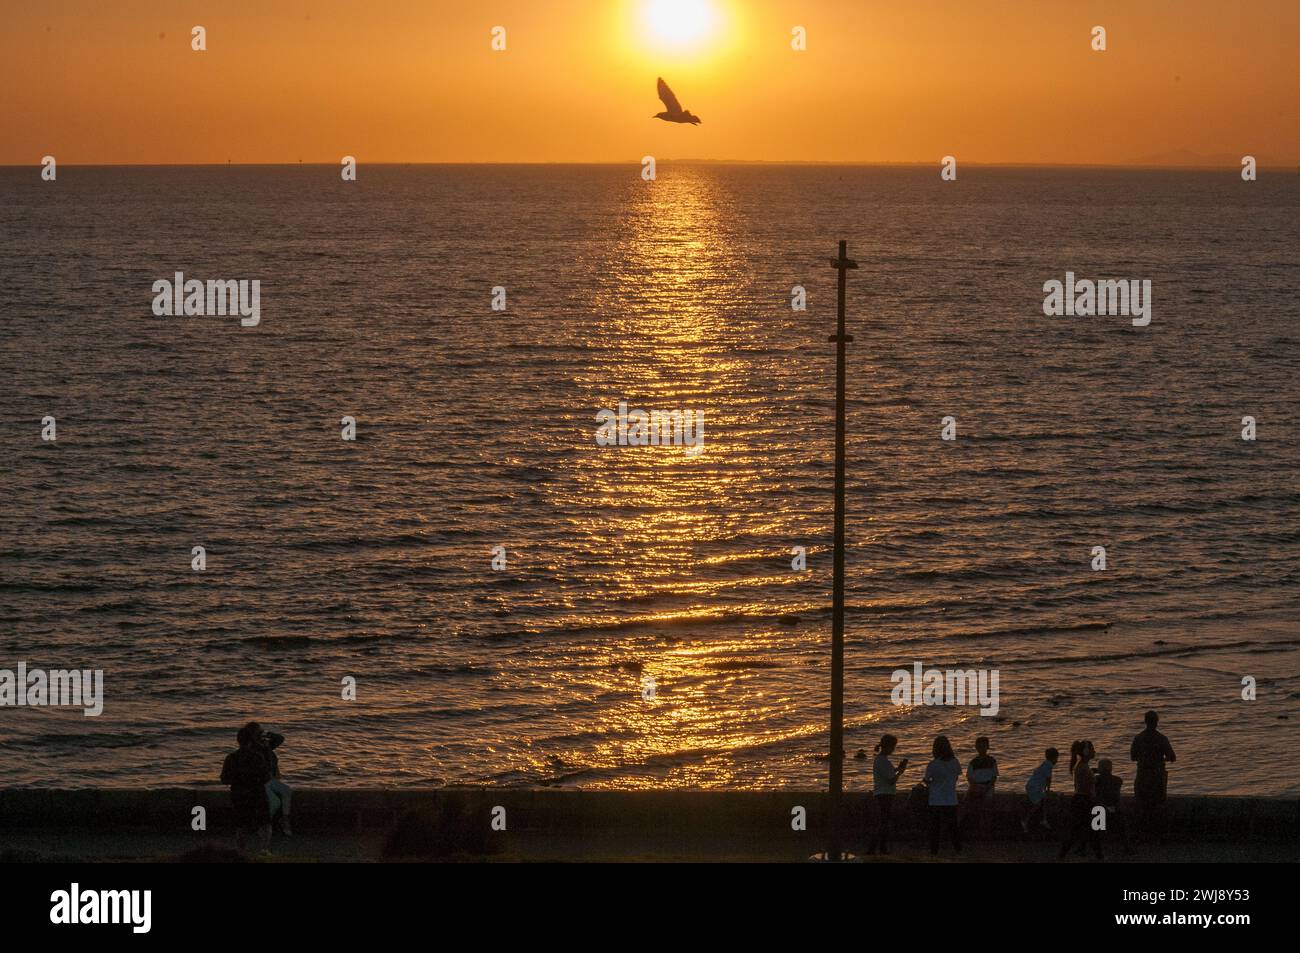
(665, 305)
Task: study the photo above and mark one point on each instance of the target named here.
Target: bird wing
(669, 100)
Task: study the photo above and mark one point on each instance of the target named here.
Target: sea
(475, 591)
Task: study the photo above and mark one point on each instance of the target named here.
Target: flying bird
(674, 113)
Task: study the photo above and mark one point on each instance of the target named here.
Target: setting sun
(679, 22)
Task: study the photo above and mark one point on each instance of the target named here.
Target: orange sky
(1011, 81)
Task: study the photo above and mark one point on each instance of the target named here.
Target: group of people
(261, 800)
(1094, 787)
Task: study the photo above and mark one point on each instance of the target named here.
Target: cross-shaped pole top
(844, 261)
(842, 265)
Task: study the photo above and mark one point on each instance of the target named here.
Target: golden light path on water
(664, 301)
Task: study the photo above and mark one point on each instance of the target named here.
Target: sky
(994, 81)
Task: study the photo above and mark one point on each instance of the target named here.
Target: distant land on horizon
(1177, 160)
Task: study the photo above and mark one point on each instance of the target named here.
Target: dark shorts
(1150, 789)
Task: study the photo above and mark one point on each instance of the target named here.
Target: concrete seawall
(575, 814)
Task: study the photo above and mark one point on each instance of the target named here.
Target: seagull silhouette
(674, 113)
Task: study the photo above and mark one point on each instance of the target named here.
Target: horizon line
(1190, 167)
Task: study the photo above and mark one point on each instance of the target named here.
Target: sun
(678, 22)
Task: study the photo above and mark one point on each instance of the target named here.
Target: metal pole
(833, 852)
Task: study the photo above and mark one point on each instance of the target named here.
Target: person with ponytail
(884, 785)
(1085, 798)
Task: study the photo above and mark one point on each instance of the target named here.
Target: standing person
(1037, 788)
(1108, 787)
(1081, 805)
(981, 775)
(941, 776)
(1151, 750)
(279, 795)
(247, 773)
(884, 785)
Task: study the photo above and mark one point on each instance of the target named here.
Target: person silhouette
(247, 772)
(279, 795)
(1152, 751)
(1081, 830)
(1037, 788)
(941, 776)
(981, 776)
(884, 785)
(1108, 788)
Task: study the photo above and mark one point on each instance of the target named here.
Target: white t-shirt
(941, 778)
(884, 779)
(1036, 786)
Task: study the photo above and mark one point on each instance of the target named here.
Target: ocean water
(476, 429)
